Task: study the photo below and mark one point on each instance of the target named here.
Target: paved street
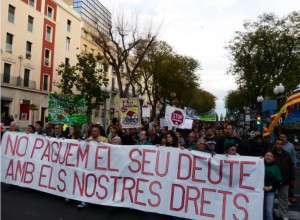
(22, 204)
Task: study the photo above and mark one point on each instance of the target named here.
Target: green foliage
(266, 53)
(235, 100)
(171, 77)
(86, 78)
(202, 101)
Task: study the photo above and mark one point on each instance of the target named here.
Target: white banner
(169, 181)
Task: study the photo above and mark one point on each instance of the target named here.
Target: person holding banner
(284, 161)
(58, 132)
(172, 140)
(191, 143)
(201, 145)
(95, 135)
(143, 139)
(30, 129)
(272, 181)
(39, 127)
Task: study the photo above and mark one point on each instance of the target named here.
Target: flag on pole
(279, 117)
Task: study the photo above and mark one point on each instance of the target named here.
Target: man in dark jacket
(229, 140)
(284, 161)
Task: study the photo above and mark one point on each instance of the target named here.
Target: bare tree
(126, 34)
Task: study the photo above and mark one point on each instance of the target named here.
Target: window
(31, 3)
(9, 42)
(67, 61)
(6, 73)
(47, 57)
(48, 33)
(11, 13)
(69, 25)
(68, 42)
(28, 50)
(50, 12)
(45, 82)
(30, 24)
(26, 78)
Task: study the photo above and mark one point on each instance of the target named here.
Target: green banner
(208, 117)
(67, 109)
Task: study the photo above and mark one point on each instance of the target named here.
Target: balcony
(17, 81)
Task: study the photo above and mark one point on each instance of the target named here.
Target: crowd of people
(209, 137)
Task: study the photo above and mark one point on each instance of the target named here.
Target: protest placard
(67, 109)
(130, 113)
(164, 180)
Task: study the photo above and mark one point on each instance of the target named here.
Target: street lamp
(106, 91)
(279, 92)
(259, 119)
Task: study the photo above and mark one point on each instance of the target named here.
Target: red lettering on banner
(46, 152)
(172, 197)
(42, 175)
(102, 187)
(224, 193)
(61, 156)
(15, 148)
(24, 170)
(195, 168)
(69, 154)
(10, 168)
(203, 202)
(80, 183)
(138, 190)
(144, 161)
(115, 178)
(179, 167)
(38, 144)
(62, 180)
(55, 160)
(240, 207)
(108, 167)
(12, 148)
(189, 198)
(210, 171)
(90, 181)
(154, 193)
(166, 167)
(135, 161)
(231, 162)
(22, 144)
(127, 188)
(242, 174)
(83, 156)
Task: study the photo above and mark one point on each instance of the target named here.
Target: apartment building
(36, 36)
(96, 17)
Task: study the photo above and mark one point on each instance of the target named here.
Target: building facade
(95, 17)
(36, 36)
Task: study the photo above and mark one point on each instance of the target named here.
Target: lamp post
(260, 99)
(141, 99)
(279, 93)
(106, 91)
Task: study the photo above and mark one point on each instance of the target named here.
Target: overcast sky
(202, 28)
